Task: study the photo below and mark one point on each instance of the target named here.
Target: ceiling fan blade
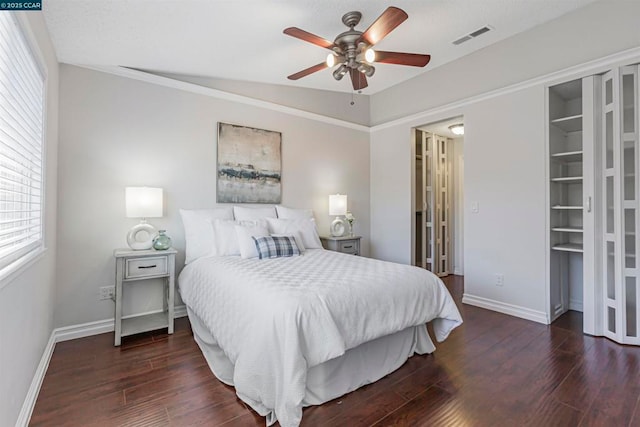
(308, 37)
(358, 79)
(387, 22)
(307, 71)
(401, 58)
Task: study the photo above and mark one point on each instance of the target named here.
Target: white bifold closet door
(620, 204)
(436, 214)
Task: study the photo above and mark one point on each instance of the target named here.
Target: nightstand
(133, 266)
(344, 244)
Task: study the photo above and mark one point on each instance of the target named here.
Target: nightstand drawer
(144, 267)
(348, 247)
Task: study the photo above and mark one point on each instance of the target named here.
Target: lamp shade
(337, 204)
(143, 202)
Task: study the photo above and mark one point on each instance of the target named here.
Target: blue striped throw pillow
(274, 247)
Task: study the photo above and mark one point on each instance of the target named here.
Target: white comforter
(276, 318)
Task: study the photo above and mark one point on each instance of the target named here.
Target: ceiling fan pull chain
(352, 101)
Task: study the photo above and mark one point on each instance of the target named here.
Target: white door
(628, 174)
(619, 162)
(428, 241)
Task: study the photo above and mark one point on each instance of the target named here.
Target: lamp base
(141, 236)
(337, 227)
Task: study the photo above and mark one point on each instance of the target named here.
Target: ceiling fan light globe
(370, 55)
(370, 71)
(366, 69)
(339, 73)
(331, 60)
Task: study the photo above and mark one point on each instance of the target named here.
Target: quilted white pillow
(225, 238)
(247, 214)
(198, 231)
(291, 213)
(245, 234)
(291, 227)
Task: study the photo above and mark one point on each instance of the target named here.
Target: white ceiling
(243, 39)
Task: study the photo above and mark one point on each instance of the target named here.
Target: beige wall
(328, 103)
(504, 143)
(589, 33)
(27, 302)
(117, 132)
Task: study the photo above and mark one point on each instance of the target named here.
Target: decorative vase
(350, 229)
(162, 242)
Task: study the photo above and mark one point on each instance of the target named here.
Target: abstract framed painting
(249, 165)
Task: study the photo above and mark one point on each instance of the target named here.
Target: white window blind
(21, 139)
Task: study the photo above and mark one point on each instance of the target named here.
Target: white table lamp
(337, 206)
(143, 203)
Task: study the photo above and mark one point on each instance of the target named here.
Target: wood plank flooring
(495, 370)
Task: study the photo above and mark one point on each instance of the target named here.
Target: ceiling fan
(352, 50)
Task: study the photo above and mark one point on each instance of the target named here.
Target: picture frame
(249, 165)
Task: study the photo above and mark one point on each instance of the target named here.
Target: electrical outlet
(107, 292)
(499, 279)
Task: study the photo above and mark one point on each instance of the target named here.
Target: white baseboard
(32, 394)
(101, 326)
(575, 305)
(66, 333)
(180, 311)
(458, 272)
(72, 332)
(510, 309)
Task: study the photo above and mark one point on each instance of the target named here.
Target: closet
(433, 201)
(592, 132)
(571, 198)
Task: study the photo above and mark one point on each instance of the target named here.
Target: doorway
(437, 197)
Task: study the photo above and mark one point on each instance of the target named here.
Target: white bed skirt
(359, 366)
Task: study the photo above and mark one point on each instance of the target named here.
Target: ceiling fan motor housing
(346, 47)
(351, 19)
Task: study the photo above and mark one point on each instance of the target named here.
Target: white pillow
(306, 228)
(225, 238)
(245, 233)
(291, 213)
(243, 214)
(198, 231)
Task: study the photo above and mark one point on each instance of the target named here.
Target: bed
(296, 331)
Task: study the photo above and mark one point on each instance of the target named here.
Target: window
(21, 141)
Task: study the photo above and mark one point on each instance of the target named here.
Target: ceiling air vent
(472, 35)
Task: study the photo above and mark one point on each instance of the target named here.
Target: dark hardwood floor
(494, 370)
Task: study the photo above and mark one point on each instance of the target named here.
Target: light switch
(475, 207)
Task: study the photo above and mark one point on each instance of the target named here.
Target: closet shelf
(563, 207)
(629, 255)
(568, 247)
(568, 229)
(568, 156)
(569, 123)
(567, 179)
